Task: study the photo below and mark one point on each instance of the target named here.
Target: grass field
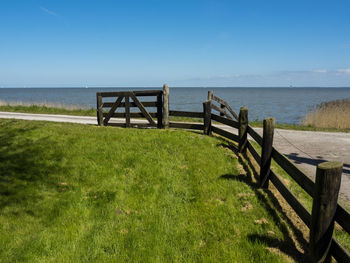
(78, 193)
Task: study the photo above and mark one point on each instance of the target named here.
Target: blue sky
(182, 43)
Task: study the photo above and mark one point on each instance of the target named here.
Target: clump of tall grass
(46, 108)
(42, 104)
(331, 114)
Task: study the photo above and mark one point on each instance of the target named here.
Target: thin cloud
(47, 11)
(344, 71)
(320, 71)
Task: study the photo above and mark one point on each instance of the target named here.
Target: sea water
(286, 105)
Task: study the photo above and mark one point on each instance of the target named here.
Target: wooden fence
(324, 191)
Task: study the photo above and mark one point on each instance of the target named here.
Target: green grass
(78, 193)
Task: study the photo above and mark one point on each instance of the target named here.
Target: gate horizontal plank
(132, 115)
(126, 93)
(132, 104)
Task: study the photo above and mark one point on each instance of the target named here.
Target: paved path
(305, 148)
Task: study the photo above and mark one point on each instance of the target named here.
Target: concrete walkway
(305, 148)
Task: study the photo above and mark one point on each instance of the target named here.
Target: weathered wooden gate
(107, 110)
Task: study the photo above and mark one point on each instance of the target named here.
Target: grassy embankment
(329, 116)
(302, 196)
(71, 192)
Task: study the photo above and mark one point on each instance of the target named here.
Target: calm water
(286, 105)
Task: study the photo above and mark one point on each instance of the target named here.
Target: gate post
(165, 106)
(99, 109)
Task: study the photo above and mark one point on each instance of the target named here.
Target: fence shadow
(268, 200)
(299, 159)
(25, 163)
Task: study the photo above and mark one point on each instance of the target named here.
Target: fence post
(328, 178)
(160, 111)
(127, 111)
(207, 117)
(210, 94)
(99, 109)
(165, 106)
(269, 125)
(243, 129)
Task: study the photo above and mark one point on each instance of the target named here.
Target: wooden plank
(189, 126)
(228, 122)
(147, 92)
(143, 110)
(112, 110)
(127, 111)
(254, 152)
(327, 186)
(291, 199)
(225, 134)
(132, 125)
(132, 104)
(136, 93)
(305, 182)
(223, 111)
(255, 135)
(342, 217)
(132, 114)
(222, 102)
(191, 114)
(266, 149)
(339, 252)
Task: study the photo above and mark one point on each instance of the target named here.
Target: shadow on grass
(26, 164)
(268, 200)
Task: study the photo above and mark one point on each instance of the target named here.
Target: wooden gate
(107, 110)
(223, 105)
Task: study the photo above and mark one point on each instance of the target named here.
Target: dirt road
(305, 148)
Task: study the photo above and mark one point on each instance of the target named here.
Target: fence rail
(324, 211)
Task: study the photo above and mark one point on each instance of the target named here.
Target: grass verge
(72, 192)
(304, 198)
(67, 110)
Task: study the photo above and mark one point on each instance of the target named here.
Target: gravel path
(305, 148)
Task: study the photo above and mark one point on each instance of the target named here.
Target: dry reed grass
(43, 104)
(331, 114)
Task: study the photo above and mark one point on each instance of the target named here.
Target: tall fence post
(165, 106)
(210, 94)
(243, 129)
(328, 178)
(99, 109)
(207, 117)
(269, 125)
